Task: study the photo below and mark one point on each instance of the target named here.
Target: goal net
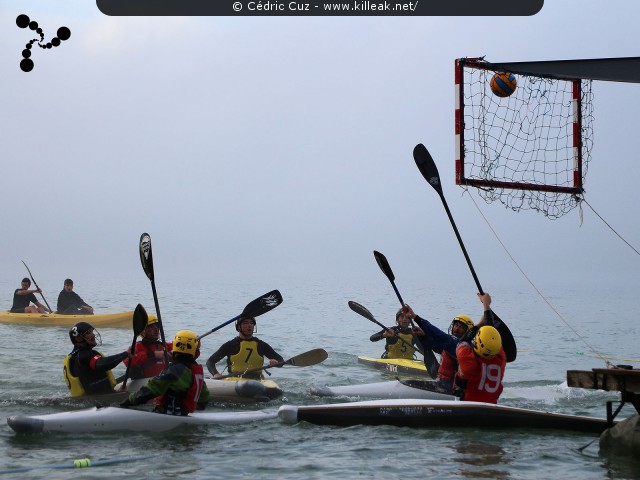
(529, 150)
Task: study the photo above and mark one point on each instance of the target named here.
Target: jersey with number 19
(483, 376)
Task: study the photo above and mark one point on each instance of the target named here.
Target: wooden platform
(610, 379)
(625, 381)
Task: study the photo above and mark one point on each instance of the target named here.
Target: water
(315, 314)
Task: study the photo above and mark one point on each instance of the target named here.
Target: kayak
(424, 389)
(232, 389)
(99, 320)
(396, 365)
(437, 414)
(110, 419)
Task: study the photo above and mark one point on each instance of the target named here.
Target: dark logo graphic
(23, 21)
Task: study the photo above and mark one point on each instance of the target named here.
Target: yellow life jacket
(399, 349)
(73, 383)
(247, 358)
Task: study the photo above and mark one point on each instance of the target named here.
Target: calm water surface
(316, 315)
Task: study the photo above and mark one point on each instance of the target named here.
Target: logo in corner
(23, 21)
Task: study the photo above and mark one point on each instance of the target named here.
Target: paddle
(429, 171)
(255, 308)
(140, 319)
(146, 258)
(36, 284)
(430, 360)
(306, 359)
(360, 310)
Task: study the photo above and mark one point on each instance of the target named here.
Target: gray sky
(283, 146)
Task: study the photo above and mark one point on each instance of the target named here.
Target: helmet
(152, 321)
(79, 329)
(186, 342)
(488, 342)
(464, 319)
(242, 319)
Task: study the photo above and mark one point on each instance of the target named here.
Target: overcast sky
(283, 146)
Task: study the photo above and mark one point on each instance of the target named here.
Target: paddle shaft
(36, 285)
(429, 171)
(146, 259)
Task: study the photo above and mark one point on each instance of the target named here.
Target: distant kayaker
(180, 389)
(87, 371)
(400, 339)
(23, 298)
(432, 338)
(70, 303)
(482, 360)
(244, 353)
(148, 360)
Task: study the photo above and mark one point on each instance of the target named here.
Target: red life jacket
(483, 376)
(189, 401)
(144, 363)
(448, 367)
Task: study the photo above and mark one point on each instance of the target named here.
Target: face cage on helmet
(460, 322)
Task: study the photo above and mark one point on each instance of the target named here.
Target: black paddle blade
(263, 304)
(508, 342)
(427, 167)
(360, 310)
(382, 262)
(146, 256)
(140, 319)
(312, 357)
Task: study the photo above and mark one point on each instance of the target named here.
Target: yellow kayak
(396, 365)
(99, 320)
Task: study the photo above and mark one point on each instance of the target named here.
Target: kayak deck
(437, 414)
(396, 365)
(98, 320)
(110, 419)
(423, 389)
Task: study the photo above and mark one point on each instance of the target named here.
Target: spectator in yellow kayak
(23, 298)
(244, 353)
(180, 389)
(400, 340)
(87, 371)
(70, 303)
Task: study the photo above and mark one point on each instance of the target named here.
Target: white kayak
(233, 390)
(393, 389)
(437, 414)
(111, 419)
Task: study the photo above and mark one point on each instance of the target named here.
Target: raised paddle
(429, 171)
(306, 359)
(36, 284)
(432, 367)
(255, 308)
(430, 360)
(146, 258)
(140, 319)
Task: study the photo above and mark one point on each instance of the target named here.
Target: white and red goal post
(529, 150)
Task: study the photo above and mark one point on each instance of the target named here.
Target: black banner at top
(493, 8)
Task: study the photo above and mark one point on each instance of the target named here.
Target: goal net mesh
(529, 150)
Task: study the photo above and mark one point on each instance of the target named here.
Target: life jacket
(247, 358)
(448, 367)
(400, 349)
(173, 404)
(76, 389)
(150, 366)
(483, 383)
